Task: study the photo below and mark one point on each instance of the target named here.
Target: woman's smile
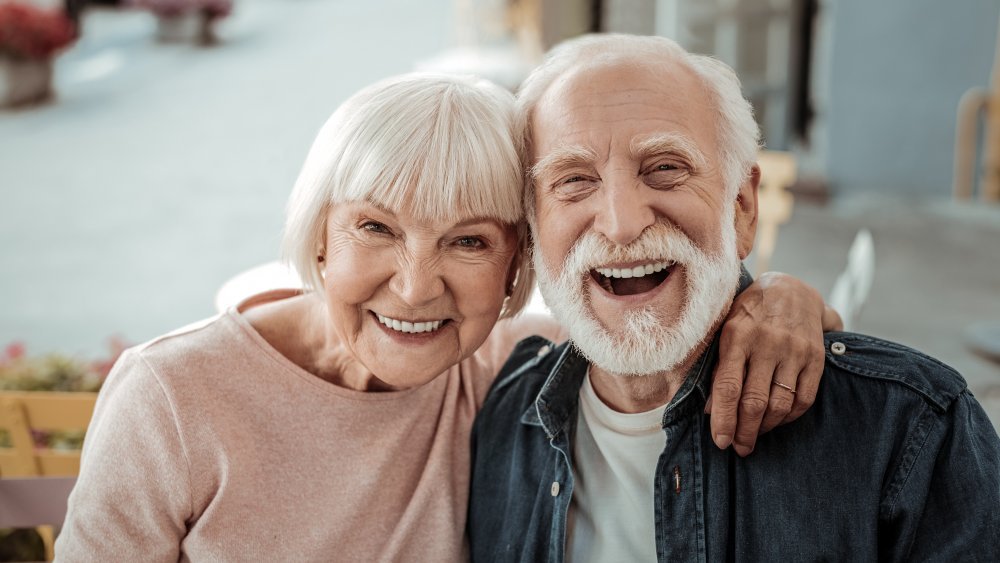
(410, 327)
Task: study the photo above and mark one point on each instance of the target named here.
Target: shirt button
(543, 350)
(838, 348)
(555, 488)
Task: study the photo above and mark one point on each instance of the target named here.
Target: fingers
(831, 319)
(782, 400)
(727, 387)
(754, 402)
(806, 389)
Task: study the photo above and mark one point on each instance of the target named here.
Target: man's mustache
(660, 242)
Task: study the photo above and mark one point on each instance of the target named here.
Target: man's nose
(418, 282)
(624, 213)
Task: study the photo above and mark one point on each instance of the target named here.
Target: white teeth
(637, 272)
(407, 326)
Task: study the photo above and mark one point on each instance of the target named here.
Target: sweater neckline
(244, 328)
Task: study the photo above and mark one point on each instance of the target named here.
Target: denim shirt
(895, 461)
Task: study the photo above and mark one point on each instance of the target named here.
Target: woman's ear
(746, 212)
(512, 271)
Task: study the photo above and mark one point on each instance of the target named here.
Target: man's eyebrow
(667, 143)
(562, 157)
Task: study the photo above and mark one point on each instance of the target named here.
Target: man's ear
(746, 212)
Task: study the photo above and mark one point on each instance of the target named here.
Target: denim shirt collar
(554, 409)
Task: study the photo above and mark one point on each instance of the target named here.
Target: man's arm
(770, 359)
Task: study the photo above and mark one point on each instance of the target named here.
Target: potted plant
(54, 372)
(29, 39)
(186, 20)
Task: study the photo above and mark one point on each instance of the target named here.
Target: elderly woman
(333, 424)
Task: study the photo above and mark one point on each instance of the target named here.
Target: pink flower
(14, 351)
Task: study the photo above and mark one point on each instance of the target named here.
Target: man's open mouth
(634, 280)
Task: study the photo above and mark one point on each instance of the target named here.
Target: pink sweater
(208, 445)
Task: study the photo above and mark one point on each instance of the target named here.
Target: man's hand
(771, 357)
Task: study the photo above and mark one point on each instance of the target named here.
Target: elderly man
(643, 204)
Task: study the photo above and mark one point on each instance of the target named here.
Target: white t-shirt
(614, 455)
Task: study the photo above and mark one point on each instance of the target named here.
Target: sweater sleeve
(132, 499)
(947, 504)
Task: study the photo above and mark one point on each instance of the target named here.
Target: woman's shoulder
(226, 337)
(193, 343)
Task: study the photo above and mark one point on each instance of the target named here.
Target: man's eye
(471, 242)
(665, 176)
(375, 227)
(574, 187)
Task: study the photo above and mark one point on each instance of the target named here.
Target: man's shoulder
(876, 359)
(523, 375)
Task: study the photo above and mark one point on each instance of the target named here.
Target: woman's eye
(471, 242)
(375, 227)
(666, 167)
(572, 179)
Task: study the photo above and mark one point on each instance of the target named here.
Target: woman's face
(408, 298)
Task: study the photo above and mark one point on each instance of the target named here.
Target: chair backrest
(850, 291)
(25, 412)
(256, 281)
(777, 173)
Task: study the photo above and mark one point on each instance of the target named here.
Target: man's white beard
(647, 342)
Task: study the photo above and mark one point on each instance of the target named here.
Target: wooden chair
(35, 502)
(255, 281)
(22, 412)
(777, 173)
(851, 289)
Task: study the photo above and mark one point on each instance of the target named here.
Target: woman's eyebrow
(561, 158)
(667, 143)
(476, 222)
(369, 200)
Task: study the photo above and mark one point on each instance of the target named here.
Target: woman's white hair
(440, 146)
(738, 133)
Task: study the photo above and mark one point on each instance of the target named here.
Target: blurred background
(155, 164)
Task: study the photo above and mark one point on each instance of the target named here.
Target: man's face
(637, 242)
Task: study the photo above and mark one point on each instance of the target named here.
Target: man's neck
(635, 393)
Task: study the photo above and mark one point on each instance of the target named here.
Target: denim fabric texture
(895, 461)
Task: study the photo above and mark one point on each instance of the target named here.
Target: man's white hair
(737, 131)
(440, 146)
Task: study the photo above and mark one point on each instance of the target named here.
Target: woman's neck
(298, 328)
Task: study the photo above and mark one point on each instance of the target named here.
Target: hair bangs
(448, 157)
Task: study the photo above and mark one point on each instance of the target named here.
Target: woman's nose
(418, 283)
